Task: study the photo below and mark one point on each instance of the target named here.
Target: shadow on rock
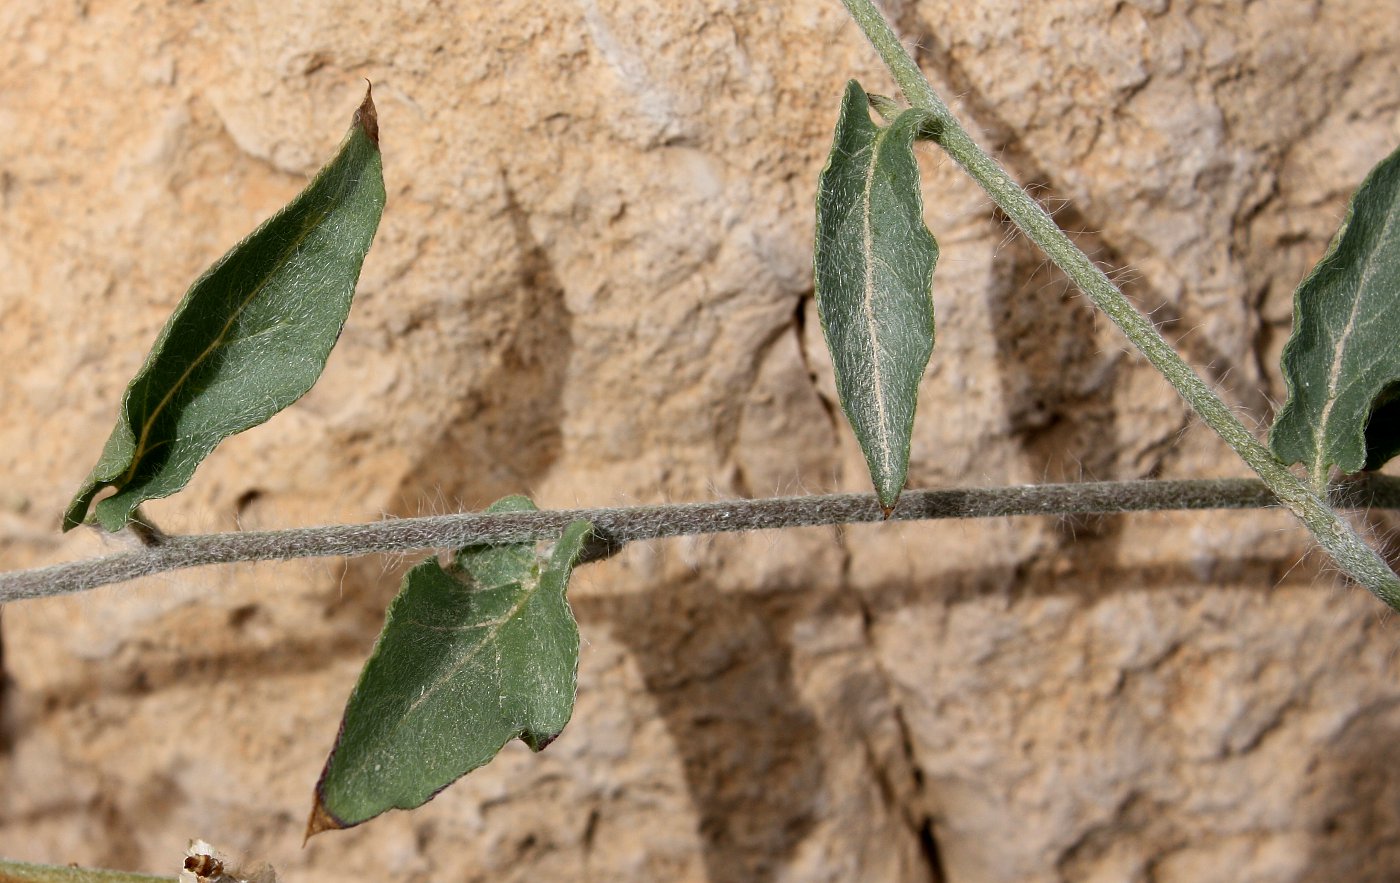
(1356, 803)
(719, 666)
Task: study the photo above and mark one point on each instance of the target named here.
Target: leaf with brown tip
(249, 338)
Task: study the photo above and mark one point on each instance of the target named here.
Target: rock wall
(592, 284)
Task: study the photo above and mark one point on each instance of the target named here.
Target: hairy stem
(1333, 533)
(616, 527)
(146, 531)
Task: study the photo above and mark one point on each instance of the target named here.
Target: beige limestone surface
(592, 284)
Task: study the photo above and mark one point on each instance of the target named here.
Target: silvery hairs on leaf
(471, 656)
(873, 265)
(1342, 362)
(249, 338)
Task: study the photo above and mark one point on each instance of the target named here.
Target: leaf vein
(868, 303)
(1340, 349)
(219, 341)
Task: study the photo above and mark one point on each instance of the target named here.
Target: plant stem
(146, 531)
(23, 872)
(615, 527)
(1333, 533)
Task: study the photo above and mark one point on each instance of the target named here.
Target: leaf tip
(81, 504)
(538, 742)
(366, 116)
(74, 514)
(887, 493)
(321, 819)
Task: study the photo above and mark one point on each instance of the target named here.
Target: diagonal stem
(1356, 559)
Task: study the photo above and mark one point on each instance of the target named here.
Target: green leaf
(250, 336)
(470, 657)
(1342, 364)
(888, 109)
(22, 872)
(873, 264)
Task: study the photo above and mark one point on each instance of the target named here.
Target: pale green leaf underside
(23, 872)
(1342, 363)
(471, 656)
(250, 336)
(873, 264)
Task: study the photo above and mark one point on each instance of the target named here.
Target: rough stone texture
(592, 284)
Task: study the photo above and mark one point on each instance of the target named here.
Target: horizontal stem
(616, 527)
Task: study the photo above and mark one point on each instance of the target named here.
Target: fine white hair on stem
(617, 527)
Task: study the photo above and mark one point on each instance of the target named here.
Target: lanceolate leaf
(1342, 364)
(250, 336)
(471, 656)
(873, 263)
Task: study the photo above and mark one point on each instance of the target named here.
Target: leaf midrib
(529, 589)
(868, 302)
(312, 221)
(1320, 451)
